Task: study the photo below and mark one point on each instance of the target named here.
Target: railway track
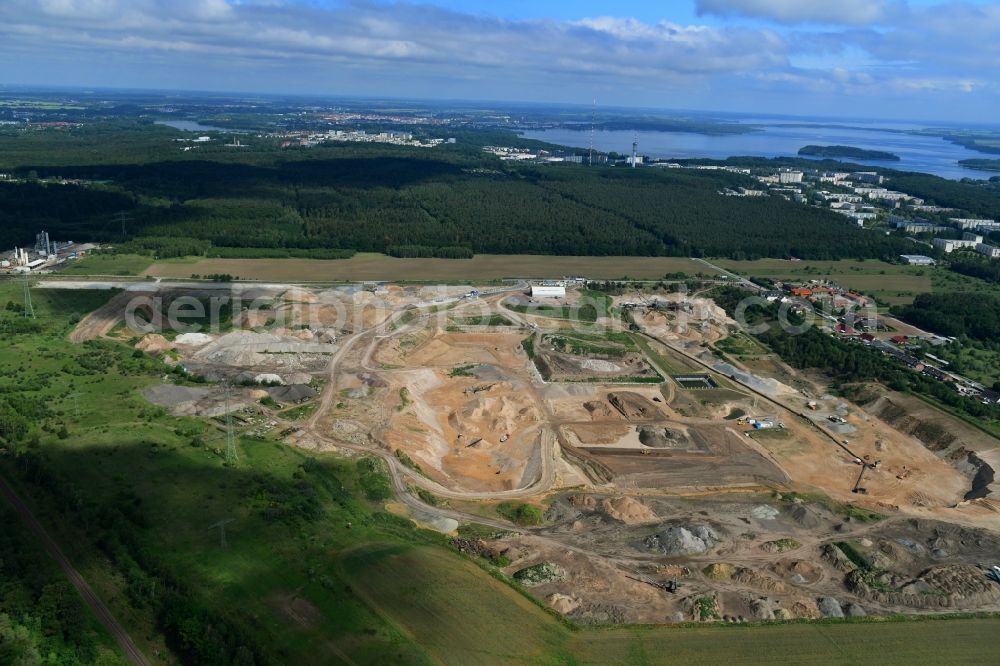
(94, 602)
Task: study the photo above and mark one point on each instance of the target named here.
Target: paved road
(132, 652)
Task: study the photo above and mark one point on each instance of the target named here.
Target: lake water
(927, 154)
(191, 126)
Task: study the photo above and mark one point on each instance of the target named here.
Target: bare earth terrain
(662, 501)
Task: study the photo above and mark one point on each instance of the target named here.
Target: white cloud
(834, 12)
(864, 48)
(370, 32)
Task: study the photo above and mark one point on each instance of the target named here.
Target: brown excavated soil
(478, 433)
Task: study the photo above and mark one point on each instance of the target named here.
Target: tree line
(371, 198)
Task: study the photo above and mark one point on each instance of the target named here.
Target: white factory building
(542, 291)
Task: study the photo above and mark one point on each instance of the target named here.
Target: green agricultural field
(902, 643)
(482, 267)
(458, 613)
(108, 264)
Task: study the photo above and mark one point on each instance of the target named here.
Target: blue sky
(921, 59)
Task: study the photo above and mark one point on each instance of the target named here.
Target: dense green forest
(848, 361)
(983, 269)
(944, 314)
(982, 164)
(42, 619)
(847, 151)
(448, 201)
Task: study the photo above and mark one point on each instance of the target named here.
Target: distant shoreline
(848, 151)
(981, 164)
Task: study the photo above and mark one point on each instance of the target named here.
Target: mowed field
(889, 283)
(460, 615)
(369, 266)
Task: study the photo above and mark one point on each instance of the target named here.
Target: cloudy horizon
(916, 59)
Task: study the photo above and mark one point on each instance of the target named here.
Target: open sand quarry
(636, 442)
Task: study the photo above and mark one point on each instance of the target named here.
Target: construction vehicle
(505, 437)
(811, 405)
(669, 586)
(994, 573)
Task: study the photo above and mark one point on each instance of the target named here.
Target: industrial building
(543, 291)
(917, 259)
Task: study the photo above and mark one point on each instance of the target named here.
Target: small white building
(917, 259)
(542, 291)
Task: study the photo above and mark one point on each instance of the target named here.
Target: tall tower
(635, 149)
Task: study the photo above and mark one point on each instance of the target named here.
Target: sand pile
(193, 339)
(562, 603)
(154, 343)
(628, 510)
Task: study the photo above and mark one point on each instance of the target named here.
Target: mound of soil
(628, 510)
(830, 607)
(658, 437)
(154, 343)
(797, 572)
(539, 574)
(633, 405)
(584, 502)
(679, 540)
(755, 579)
(947, 586)
(562, 603)
(779, 545)
(804, 516)
(719, 571)
(598, 409)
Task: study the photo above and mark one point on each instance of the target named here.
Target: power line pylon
(231, 455)
(123, 219)
(223, 544)
(29, 309)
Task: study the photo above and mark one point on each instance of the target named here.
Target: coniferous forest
(449, 201)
